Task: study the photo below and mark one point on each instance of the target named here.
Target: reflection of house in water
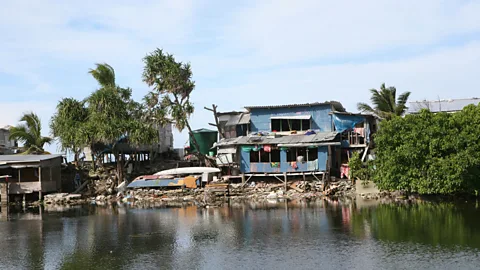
(31, 175)
(298, 139)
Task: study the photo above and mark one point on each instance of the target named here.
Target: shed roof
(337, 105)
(238, 119)
(451, 105)
(5, 159)
(291, 139)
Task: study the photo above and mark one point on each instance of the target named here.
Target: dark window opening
(312, 154)
(264, 156)
(292, 155)
(275, 156)
(306, 124)
(296, 125)
(254, 157)
(302, 152)
(281, 125)
(285, 125)
(276, 124)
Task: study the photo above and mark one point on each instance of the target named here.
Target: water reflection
(243, 235)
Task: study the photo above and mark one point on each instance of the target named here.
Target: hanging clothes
(267, 148)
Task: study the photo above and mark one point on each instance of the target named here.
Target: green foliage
(384, 104)
(172, 85)
(430, 153)
(29, 133)
(105, 116)
(360, 170)
(67, 124)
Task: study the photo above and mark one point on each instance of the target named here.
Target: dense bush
(430, 153)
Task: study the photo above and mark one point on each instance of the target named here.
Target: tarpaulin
(346, 122)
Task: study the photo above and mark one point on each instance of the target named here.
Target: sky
(242, 53)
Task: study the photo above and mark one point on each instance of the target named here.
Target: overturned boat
(189, 177)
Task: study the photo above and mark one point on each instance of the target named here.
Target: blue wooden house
(285, 139)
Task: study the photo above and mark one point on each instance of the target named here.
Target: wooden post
(40, 180)
(329, 166)
(285, 178)
(243, 179)
(19, 175)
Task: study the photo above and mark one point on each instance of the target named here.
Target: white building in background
(442, 105)
(165, 135)
(7, 146)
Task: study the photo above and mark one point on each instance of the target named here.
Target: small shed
(32, 173)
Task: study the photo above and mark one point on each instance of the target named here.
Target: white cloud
(281, 31)
(265, 52)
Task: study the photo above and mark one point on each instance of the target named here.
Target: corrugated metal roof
(291, 139)
(300, 117)
(238, 119)
(337, 105)
(25, 158)
(452, 105)
(245, 119)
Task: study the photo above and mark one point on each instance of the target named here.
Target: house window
(312, 154)
(254, 156)
(293, 153)
(281, 125)
(275, 156)
(264, 156)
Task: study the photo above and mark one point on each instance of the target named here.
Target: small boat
(189, 170)
(188, 177)
(157, 181)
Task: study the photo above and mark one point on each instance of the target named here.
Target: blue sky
(242, 52)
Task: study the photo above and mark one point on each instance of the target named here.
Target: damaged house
(312, 139)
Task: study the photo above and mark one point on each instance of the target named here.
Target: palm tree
(29, 134)
(104, 74)
(385, 103)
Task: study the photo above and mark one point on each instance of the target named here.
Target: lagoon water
(317, 235)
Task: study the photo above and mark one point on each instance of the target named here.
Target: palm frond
(104, 74)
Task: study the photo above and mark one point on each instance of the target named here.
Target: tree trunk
(92, 153)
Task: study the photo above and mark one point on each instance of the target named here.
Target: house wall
(264, 167)
(321, 119)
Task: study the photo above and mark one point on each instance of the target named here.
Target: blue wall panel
(322, 158)
(321, 119)
(244, 161)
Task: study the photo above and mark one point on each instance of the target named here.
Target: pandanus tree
(385, 102)
(169, 100)
(29, 134)
(68, 125)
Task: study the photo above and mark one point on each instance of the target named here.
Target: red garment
(267, 148)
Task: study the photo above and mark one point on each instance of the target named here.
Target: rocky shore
(255, 191)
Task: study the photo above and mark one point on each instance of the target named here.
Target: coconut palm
(385, 103)
(29, 133)
(104, 74)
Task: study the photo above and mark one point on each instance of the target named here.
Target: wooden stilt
(285, 177)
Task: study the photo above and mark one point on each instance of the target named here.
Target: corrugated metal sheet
(300, 117)
(25, 158)
(292, 139)
(245, 119)
(452, 105)
(238, 119)
(337, 105)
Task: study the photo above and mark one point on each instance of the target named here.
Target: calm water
(321, 235)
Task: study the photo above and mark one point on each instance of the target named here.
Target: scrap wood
(294, 186)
